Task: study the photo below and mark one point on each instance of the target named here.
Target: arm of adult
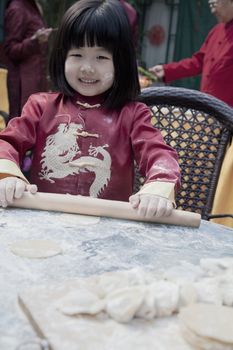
(18, 45)
(184, 68)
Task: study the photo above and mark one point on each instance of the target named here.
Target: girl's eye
(76, 55)
(102, 58)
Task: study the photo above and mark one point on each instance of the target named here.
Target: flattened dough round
(77, 219)
(35, 248)
(209, 321)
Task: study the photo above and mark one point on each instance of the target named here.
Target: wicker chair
(199, 127)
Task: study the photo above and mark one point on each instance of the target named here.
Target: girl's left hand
(149, 205)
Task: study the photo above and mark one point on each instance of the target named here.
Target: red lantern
(156, 35)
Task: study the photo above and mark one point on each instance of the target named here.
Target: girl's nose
(86, 68)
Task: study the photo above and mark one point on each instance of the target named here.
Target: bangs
(93, 29)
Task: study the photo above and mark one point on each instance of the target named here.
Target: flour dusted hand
(151, 205)
(12, 188)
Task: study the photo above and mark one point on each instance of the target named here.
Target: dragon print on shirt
(59, 158)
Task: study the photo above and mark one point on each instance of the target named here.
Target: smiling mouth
(88, 81)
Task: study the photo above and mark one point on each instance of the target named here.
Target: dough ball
(35, 248)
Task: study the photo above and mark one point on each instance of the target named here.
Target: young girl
(85, 137)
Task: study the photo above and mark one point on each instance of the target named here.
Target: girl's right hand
(11, 188)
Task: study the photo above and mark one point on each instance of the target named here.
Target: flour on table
(76, 219)
(35, 248)
(184, 272)
(216, 266)
(207, 326)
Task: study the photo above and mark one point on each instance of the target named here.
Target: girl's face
(89, 70)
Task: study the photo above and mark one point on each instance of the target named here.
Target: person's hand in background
(42, 35)
(158, 71)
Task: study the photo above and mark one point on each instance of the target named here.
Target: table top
(110, 245)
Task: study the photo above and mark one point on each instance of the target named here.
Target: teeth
(88, 81)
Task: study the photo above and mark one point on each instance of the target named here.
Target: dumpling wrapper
(78, 219)
(187, 294)
(166, 295)
(35, 248)
(123, 304)
(201, 343)
(207, 321)
(147, 310)
(80, 301)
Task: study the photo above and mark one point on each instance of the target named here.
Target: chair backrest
(198, 126)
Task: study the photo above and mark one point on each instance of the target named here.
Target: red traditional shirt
(86, 151)
(214, 61)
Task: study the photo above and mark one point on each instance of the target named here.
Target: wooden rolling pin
(99, 207)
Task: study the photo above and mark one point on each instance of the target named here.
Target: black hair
(103, 23)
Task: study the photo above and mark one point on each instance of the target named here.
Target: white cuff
(161, 189)
(9, 168)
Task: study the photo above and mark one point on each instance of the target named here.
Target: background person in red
(214, 60)
(26, 49)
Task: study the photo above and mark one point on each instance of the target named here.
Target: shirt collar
(89, 100)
